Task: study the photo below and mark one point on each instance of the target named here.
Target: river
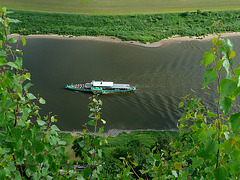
(162, 75)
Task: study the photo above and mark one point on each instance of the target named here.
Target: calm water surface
(162, 75)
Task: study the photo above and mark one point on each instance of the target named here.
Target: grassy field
(120, 6)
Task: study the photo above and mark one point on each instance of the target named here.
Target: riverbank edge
(116, 132)
(115, 138)
(175, 39)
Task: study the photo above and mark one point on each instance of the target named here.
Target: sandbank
(175, 39)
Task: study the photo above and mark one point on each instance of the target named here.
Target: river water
(162, 75)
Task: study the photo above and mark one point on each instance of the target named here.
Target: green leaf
(7, 82)
(11, 166)
(226, 65)
(31, 96)
(228, 44)
(16, 132)
(4, 10)
(23, 41)
(17, 176)
(210, 76)
(19, 52)
(232, 54)
(28, 172)
(211, 115)
(19, 62)
(237, 72)
(101, 130)
(12, 64)
(220, 173)
(80, 177)
(55, 128)
(126, 171)
(181, 104)
(28, 85)
(40, 158)
(12, 40)
(36, 176)
(208, 58)
(87, 172)
(211, 146)
(27, 76)
(90, 115)
(92, 123)
(196, 162)
(53, 119)
(2, 52)
(41, 122)
(103, 121)
(2, 37)
(18, 145)
(100, 102)
(235, 121)
(227, 86)
(238, 84)
(219, 64)
(25, 114)
(225, 105)
(175, 173)
(215, 41)
(3, 62)
(42, 101)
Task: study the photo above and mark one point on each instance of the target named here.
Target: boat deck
(115, 86)
(119, 86)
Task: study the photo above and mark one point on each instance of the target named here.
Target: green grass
(148, 138)
(120, 6)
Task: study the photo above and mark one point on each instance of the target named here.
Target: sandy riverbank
(116, 132)
(116, 40)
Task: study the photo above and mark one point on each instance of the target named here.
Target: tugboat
(101, 87)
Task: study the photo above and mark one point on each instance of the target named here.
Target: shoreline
(162, 42)
(116, 132)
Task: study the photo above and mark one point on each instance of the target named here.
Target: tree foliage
(30, 146)
(88, 146)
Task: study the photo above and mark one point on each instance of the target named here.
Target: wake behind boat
(101, 87)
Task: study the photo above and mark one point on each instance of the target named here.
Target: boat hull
(100, 91)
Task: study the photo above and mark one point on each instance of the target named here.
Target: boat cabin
(101, 84)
